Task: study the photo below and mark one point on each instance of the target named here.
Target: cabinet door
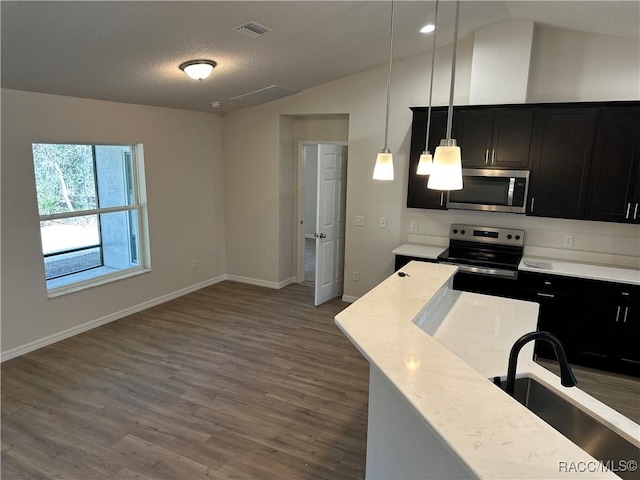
(418, 195)
(556, 316)
(634, 208)
(511, 138)
(595, 328)
(561, 152)
(626, 344)
(474, 134)
(615, 167)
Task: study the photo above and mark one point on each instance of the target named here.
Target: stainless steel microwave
(491, 190)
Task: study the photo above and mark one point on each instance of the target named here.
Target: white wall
(500, 65)
(185, 190)
(362, 97)
(569, 66)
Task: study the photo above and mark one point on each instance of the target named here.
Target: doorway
(322, 190)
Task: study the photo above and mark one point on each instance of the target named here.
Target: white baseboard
(349, 298)
(56, 337)
(261, 283)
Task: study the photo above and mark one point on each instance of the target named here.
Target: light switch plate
(414, 226)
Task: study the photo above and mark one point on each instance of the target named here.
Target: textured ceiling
(130, 51)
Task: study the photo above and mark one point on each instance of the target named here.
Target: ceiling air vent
(253, 29)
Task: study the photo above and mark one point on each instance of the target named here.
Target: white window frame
(101, 275)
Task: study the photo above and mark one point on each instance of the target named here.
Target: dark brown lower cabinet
(597, 322)
(556, 296)
(608, 327)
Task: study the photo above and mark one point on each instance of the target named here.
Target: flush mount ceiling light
(383, 169)
(425, 164)
(198, 69)
(447, 162)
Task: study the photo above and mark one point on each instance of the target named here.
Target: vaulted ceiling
(129, 51)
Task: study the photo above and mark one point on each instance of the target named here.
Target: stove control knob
(517, 237)
(455, 230)
(462, 232)
(509, 236)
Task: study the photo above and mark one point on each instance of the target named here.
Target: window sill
(88, 279)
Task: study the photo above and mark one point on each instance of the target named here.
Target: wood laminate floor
(230, 382)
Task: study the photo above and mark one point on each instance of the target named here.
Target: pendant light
(447, 162)
(426, 160)
(383, 169)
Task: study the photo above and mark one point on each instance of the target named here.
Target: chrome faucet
(566, 374)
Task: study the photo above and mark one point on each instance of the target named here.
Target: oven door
(491, 190)
(487, 284)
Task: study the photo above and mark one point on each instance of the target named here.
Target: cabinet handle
(486, 157)
(635, 212)
(546, 295)
(493, 157)
(618, 314)
(533, 199)
(626, 312)
(628, 208)
(442, 199)
(547, 282)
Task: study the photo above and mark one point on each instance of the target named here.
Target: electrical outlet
(359, 221)
(414, 226)
(356, 276)
(568, 240)
(383, 222)
(194, 264)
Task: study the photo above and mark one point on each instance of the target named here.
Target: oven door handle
(496, 272)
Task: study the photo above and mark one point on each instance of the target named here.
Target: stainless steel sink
(587, 432)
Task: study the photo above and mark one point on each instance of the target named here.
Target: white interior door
(330, 222)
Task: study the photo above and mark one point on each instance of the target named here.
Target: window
(91, 213)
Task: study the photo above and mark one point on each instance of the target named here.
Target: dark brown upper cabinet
(418, 195)
(560, 157)
(494, 137)
(615, 185)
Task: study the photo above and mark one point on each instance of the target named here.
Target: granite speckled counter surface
(437, 347)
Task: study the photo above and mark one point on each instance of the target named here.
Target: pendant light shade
(384, 166)
(425, 162)
(446, 173)
(383, 169)
(447, 161)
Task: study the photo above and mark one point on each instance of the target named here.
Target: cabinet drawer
(548, 283)
(612, 290)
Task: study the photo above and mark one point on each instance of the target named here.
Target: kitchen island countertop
(438, 348)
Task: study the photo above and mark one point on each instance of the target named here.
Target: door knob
(322, 235)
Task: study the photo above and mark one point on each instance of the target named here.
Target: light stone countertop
(580, 270)
(420, 251)
(438, 347)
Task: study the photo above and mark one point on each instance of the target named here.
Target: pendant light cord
(433, 62)
(386, 127)
(453, 71)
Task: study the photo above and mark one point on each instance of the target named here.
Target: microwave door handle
(512, 185)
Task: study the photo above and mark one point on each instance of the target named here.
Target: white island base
(433, 412)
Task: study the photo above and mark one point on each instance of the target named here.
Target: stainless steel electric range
(487, 258)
